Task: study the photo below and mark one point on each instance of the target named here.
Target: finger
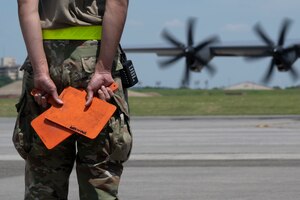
(37, 98)
(110, 92)
(89, 97)
(55, 98)
(101, 94)
(106, 94)
(44, 101)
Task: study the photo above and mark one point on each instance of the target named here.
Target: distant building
(248, 86)
(8, 62)
(9, 68)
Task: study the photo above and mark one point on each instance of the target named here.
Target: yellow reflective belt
(73, 33)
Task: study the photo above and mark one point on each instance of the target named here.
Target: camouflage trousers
(98, 161)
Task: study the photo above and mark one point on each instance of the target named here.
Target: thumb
(55, 99)
(89, 98)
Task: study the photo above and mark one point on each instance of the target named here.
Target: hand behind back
(99, 84)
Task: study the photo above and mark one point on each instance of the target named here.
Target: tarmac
(178, 158)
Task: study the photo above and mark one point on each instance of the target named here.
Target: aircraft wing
(246, 51)
(215, 50)
(160, 50)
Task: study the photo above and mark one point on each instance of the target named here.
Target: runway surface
(210, 158)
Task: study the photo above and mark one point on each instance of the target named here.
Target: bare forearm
(32, 33)
(113, 24)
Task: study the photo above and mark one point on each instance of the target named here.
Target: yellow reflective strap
(73, 33)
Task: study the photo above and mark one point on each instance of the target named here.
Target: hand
(99, 84)
(105, 93)
(47, 88)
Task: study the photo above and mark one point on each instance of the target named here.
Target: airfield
(210, 158)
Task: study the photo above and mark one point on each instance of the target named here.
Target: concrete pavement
(193, 158)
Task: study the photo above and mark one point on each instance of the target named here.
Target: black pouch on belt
(127, 74)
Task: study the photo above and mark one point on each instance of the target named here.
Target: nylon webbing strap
(73, 33)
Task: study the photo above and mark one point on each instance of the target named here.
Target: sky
(230, 20)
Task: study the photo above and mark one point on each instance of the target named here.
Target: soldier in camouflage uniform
(73, 63)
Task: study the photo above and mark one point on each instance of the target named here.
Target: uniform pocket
(27, 110)
(120, 139)
(88, 64)
(87, 56)
(87, 60)
(23, 133)
(19, 138)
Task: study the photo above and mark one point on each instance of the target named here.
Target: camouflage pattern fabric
(98, 161)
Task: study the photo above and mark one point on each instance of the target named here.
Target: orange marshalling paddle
(59, 122)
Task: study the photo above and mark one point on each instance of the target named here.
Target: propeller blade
(297, 49)
(206, 42)
(261, 33)
(211, 69)
(190, 31)
(285, 27)
(200, 60)
(270, 72)
(186, 79)
(171, 61)
(172, 39)
(293, 73)
(189, 52)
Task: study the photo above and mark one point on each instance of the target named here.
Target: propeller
(190, 52)
(280, 55)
